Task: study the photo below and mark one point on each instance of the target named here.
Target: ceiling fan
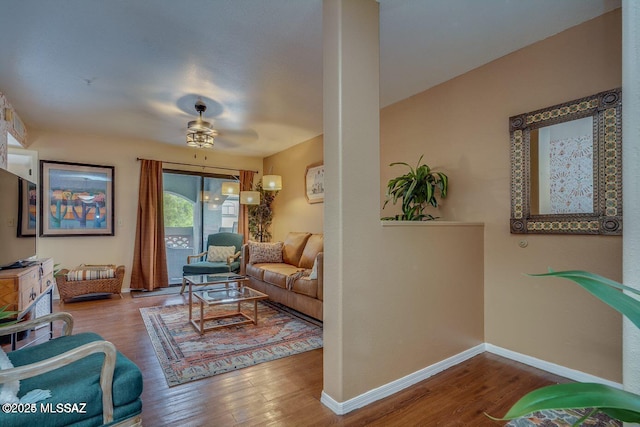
(200, 133)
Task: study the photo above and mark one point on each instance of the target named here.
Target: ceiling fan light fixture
(200, 126)
(200, 133)
(200, 139)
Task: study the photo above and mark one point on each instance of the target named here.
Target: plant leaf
(400, 163)
(606, 290)
(429, 193)
(624, 404)
(570, 274)
(444, 184)
(419, 161)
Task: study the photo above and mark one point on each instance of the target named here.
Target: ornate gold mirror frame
(605, 189)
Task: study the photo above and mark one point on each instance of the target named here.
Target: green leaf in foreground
(616, 403)
(5, 314)
(606, 290)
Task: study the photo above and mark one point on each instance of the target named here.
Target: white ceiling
(134, 68)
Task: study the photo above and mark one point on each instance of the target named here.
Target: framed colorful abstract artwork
(76, 199)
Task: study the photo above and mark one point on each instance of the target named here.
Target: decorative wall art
(571, 175)
(27, 208)
(77, 199)
(314, 183)
(566, 167)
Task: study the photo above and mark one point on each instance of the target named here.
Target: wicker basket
(72, 289)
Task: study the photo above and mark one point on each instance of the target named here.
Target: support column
(352, 185)
(631, 182)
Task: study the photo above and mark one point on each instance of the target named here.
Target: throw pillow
(8, 390)
(314, 270)
(260, 252)
(220, 253)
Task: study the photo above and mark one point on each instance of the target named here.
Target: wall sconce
(272, 182)
(230, 188)
(250, 197)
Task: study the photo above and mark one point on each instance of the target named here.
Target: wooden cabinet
(20, 288)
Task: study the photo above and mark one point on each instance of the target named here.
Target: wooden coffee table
(228, 294)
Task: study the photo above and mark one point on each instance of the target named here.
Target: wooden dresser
(21, 288)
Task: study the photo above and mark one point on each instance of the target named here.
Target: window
(194, 207)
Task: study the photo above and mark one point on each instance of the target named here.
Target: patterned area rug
(186, 356)
(559, 418)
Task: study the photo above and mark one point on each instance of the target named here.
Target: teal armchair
(74, 368)
(198, 264)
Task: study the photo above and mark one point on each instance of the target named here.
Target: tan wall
(424, 305)
(397, 298)
(291, 211)
(121, 153)
(462, 127)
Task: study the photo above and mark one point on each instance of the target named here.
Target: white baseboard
(393, 387)
(553, 368)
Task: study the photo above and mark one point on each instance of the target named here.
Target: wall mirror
(566, 167)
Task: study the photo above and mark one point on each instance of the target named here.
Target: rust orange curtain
(150, 256)
(246, 184)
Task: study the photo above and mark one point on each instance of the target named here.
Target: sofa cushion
(254, 270)
(293, 247)
(306, 286)
(277, 274)
(91, 272)
(78, 382)
(260, 252)
(312, 248)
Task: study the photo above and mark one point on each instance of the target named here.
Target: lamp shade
(272, 182)
(230, 188)
(250, 197)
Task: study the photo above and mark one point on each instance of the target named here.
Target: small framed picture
(76, 199)
(27, 208)
(314, 183)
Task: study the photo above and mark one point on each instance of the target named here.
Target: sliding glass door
(194, 207)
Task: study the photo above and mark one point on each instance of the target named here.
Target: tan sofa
(290, 282)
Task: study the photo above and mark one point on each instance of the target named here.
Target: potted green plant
(6, 314)
(261, 215)
(416, 190)
(619, 404)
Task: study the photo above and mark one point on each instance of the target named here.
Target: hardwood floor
(286, 392)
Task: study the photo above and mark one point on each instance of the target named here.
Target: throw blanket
(295, 276)
(9, 390)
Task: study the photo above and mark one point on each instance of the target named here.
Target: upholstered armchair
(69, 380)
(224, 257)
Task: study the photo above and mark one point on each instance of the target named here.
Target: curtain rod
(199, 166)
